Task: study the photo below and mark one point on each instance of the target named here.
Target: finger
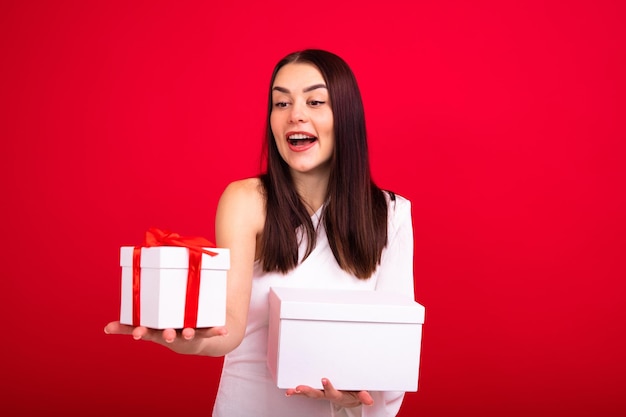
(188, 333)
(329, 390)
(306, 391)
(365, 398)
(345, 398)
(291, 391)
(115, 327)
(169, 335)
(211, 332)
(140, 332)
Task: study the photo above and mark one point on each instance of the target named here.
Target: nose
(298, 113)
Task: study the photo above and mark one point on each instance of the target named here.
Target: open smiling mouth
(299, 139)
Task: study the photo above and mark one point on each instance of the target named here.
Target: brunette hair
(355, 213)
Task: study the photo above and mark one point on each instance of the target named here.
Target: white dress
(246, 387)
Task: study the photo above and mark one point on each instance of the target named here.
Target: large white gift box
(163, 287)
(359, 340)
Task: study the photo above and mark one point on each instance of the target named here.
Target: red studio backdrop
(503, 122)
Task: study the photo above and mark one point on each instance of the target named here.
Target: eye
(316, 103)
(281, 104)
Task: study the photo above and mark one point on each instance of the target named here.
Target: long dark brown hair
(355, 213)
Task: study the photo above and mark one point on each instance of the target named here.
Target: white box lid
(347, 305)
(174, 257)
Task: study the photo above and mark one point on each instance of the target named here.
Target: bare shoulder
(243, 201)
(246, 191)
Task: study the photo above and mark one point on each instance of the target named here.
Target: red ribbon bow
(196, 247)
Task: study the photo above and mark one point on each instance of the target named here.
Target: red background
(503, 122)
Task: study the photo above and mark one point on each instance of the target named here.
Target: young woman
(315, 219)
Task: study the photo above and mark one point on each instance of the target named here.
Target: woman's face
(302, 119)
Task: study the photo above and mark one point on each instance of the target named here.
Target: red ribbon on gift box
(196, 247)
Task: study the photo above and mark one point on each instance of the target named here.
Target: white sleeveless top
(246, 387)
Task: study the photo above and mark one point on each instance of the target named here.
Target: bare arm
(239, 221)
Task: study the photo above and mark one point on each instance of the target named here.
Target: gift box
(162, 292)
(359, 340)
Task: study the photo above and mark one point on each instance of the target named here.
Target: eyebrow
(306, 90)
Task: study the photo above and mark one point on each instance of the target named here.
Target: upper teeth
(297, 136)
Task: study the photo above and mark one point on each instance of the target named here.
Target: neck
(312, 190)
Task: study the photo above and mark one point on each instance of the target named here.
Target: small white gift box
(359, 340)
(163, 287)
